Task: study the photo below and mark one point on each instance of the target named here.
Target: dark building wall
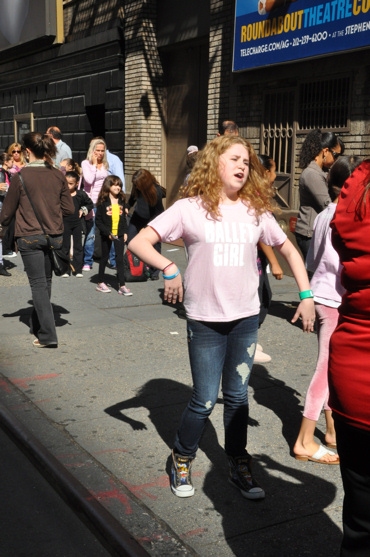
(118, 74)
(77, 86)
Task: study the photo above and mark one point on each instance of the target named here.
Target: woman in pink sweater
(94, 171)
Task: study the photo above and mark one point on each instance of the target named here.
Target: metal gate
(277, 140)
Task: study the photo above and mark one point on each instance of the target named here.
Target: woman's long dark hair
(315, 141)
(42, 146)
(105, 189)
(4, 157)
(339, 172)
(144, 182)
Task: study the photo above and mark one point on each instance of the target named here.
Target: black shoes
(4, 272)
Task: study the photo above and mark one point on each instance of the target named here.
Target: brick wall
(143, 91)
(221, 91)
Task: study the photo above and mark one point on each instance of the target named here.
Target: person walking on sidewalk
(48, 190)
(111, 221)
(224, 212)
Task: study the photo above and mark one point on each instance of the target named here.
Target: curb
(112, 535)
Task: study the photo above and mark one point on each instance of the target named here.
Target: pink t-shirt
(221, 278)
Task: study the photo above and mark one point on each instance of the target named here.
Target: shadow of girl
(290, 522)
(281, 525)
(165, 401)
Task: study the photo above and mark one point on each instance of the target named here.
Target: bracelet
(166, 267)
(169, 277)
(305, 294)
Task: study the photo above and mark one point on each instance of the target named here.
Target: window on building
(277, 128)
(324, 104)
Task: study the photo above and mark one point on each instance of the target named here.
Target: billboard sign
(275, 31)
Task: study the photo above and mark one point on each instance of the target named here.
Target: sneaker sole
(103, 291)
(180, 493)
(253, 495)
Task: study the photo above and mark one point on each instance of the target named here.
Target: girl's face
(115, 190)
(8, 164)
(99, 151)
(65, 167)
(233, 169)
(271, 174)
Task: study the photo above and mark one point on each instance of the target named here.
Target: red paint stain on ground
(195, 532)
(114, 494)
(25, 383)
(141, 490)
(4, 386)
(110, 451)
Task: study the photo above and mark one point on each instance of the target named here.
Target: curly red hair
(204, 180)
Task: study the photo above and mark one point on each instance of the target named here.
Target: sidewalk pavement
(107, 402)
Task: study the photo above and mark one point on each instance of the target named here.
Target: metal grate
(277, 130)
(324, 104)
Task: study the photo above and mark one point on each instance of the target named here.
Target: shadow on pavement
(291, 519)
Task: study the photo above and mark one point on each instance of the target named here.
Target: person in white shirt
(63, 151)
(224, 212)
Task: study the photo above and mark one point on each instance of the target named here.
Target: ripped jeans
(218, 352)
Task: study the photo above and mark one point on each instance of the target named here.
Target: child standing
(225, 211)
(266, 256)
(110, 218)
(73, 223)
(6, 162)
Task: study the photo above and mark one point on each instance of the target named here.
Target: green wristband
(305, 294)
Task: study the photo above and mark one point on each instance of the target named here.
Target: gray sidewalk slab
(107, 403)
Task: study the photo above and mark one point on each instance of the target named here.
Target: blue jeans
(37, 264)
(218, 351)
(89, 241)
(303, 243)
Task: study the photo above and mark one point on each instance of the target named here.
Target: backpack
(135, 269)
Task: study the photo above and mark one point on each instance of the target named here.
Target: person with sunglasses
(318, 153)
(19, 161)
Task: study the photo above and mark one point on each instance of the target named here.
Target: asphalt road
(107, 402)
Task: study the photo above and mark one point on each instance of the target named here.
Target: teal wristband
(305, 294)
(169, 277)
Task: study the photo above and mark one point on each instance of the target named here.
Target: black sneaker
(241, 477)
(181, 476)
(4, 272)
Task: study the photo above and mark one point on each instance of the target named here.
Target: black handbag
(59, 259)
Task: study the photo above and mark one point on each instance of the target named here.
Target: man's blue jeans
(89, 241)
(219, 352)
(37, 264)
